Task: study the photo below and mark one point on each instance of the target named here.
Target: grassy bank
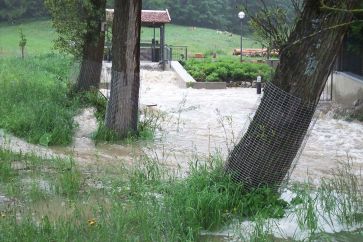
(40, 35)
(144, 203)
(33, 99)
(54, 200)
(202, 40)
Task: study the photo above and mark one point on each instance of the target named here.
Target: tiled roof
(148, 16)
(153, 16)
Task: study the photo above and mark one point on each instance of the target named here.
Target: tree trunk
(91, 64)
(266, 152)
(122, 109)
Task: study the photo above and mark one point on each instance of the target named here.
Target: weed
(68, 181)
(342, 194)
(149, 203)
(6, 171)
(149, 123)
(36, 192)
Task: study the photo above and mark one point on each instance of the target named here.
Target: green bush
(227, 70)
(212, 77)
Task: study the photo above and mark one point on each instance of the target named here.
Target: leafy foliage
(273, 23)
(217, 14)
(11, 10)
(76, 23)
(227, 70)
(22, 42)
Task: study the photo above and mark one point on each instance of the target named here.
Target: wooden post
(162, 45)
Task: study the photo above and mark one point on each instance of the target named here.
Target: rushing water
(204, 121)
(199, 114)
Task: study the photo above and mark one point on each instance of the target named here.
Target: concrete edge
(184, 76)
(186, 80)
(208, 85)
(351, 76)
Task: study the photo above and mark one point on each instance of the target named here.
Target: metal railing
(179, 53)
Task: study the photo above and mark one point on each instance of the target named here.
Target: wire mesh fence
(269, 149)
(123, 104)
(85, 74)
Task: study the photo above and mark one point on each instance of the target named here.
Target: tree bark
(91, 63)
(122, 109)
(266, 152)
(308, 58)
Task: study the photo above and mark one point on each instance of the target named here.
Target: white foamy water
(195, 126)
(330, 142)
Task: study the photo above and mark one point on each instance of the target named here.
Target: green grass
(201, 40)
(33, 99)
(39, 35)
(148, 202)
(143, 203)
(148, 124)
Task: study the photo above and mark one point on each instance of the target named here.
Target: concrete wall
(186, 80)
(347, 88)
(184, 77)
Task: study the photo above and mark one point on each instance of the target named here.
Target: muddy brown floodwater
(201, 121)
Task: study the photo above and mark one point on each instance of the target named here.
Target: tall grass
(147, 204)
(33, 99)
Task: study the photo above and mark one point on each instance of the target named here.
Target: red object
(155, 16)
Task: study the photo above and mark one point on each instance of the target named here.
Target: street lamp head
(241, 15)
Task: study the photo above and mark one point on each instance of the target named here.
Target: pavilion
(156, 19)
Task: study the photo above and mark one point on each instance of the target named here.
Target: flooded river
(200, 121)
(206, 120)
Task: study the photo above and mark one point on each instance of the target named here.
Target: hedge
(227, 70)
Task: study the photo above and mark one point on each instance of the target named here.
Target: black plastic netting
(267, 150)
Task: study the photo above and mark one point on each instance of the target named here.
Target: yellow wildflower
(92, 222)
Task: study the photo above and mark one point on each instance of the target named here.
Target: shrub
(227, 70)
(214, 77)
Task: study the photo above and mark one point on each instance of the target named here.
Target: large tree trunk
(266, 152)
(92, 54)
(122, 109)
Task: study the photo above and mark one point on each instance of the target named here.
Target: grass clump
(33, 99)
(68, 179)
(6, 171)
(227, 70)
(148, 124)
(205, 200)
(208, 199)
(148, 204)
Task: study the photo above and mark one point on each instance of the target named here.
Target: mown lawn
(201, 40)
(40, 34)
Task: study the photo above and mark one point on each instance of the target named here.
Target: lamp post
(241, 16)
